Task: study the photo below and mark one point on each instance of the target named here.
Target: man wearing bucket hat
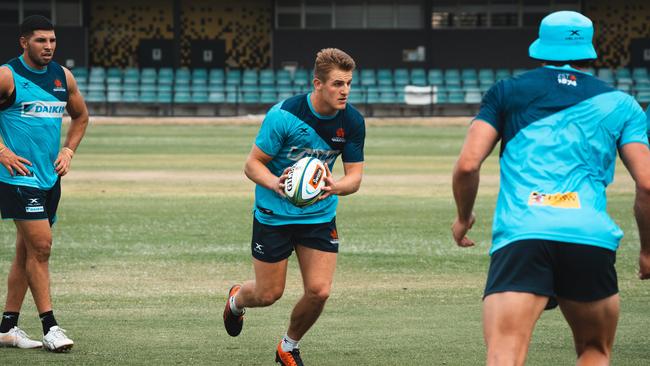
(553, 241)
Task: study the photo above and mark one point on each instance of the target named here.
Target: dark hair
(583, 64)
(34, 22)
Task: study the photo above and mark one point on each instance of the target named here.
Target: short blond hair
(329, 59)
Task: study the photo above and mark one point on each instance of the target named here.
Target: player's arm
(12, 162)
(478, 145)
(348, 184)
(78, 112)
(636, 157)
(257, 171)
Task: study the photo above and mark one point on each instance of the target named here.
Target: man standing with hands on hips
(34, 93)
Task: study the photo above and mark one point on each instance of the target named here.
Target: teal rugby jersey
(30, 121)
(292, 130)
(560, 129)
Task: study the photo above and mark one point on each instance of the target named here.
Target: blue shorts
(275, 243)
(570, 271)
(28, 203)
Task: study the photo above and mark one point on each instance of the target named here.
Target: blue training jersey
(292, 130)
(560, 129)
(30, 121)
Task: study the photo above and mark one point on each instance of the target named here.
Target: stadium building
(201, 57)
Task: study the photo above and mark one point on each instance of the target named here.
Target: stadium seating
(267, 86)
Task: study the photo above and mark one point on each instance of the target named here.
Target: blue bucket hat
(564, 36)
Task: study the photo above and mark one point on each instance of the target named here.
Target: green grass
(155, 224)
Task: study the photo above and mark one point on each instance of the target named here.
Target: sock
(9, 320)
(233, 307)
(288, 344)
(48, 321)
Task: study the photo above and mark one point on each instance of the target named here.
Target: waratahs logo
(43, 109)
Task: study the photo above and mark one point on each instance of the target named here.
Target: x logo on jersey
(574, 33)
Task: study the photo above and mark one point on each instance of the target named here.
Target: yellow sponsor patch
(559, 200)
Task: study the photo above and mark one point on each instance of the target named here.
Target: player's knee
(269, 297)
(40, 249)
(318, 293)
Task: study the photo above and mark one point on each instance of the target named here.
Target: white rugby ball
(305, 181)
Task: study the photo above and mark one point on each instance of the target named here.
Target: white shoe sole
(62, 349)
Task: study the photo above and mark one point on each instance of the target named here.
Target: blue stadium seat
(217, 77)
(473, 97)
(96, 97)
(384, 77)
(182, 97)
(456, 97)
(268, 97)
(130, 96)
(233, 77)
(249, 77)
(199, 97)
(113, 96)
(283, 77)
(301, 78)
(148, 97)
(368, 77)
(435, 77)
(501, 74)
(164, 97)
(217, 97)
(267, 77)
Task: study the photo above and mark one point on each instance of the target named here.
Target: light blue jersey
(30, 121)
(293, 130)
(560, 130)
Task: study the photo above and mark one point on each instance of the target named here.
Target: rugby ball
(305, 181)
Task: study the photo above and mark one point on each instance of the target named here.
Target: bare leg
(267, 287)
(508, 322)
(594, 326)
(37, 238)
(17, 281)
(317, 269)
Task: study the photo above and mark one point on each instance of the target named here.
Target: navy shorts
(28, 203)
(570, 271)
(274, 243)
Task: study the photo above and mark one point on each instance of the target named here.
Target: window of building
(351, 14)
(495, 13)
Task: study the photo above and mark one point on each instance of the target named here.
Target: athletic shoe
(16, 337)
(56, 341)
(232, 322)
(288, 358)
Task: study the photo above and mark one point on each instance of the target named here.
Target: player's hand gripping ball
(305, 182)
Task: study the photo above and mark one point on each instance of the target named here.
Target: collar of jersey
(37, 71)
(311, 108)
(566, 67)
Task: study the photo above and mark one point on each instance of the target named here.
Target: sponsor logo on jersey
(58, 86)
(326, 156)
(43, 109)
(557, 200)
(340, 135)
(567, 79)
(33, 209)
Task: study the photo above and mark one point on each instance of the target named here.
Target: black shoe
(233, 323)
(288, 358)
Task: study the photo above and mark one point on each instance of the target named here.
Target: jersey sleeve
(635, 128)
(272, 132)
(492, 107)
(353, 150)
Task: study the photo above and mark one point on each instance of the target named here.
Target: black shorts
(27, 203)
(274, 243)
(555, 269)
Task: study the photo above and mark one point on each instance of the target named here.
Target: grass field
(154, 227)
